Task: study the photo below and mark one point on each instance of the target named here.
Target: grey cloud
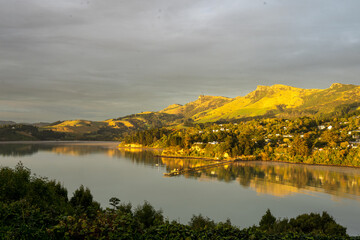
(101, 59)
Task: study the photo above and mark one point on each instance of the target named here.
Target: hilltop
(201, 105)
(7, 123)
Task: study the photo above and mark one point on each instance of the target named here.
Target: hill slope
(200, 106)
(286, 101)
(112, 128)
(6, 123)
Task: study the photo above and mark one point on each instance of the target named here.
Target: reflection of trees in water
(75, 150)
(18, 150)
(142, 157)
(327, 180)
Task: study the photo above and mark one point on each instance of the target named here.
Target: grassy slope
(139, 121)
(259, 102)
(326, 100)
(199, 106)
(76, 126)
(265, 99)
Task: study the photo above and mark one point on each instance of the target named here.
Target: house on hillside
(321, 127)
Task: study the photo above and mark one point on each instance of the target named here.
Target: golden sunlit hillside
(201, 105)
(285, 101)
(259, 102)
(76, 126)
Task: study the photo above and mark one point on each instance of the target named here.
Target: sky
(101, 59)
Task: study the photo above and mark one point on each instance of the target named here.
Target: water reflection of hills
(18, 150)
(280, 179)
(30, 149)
(137, 156)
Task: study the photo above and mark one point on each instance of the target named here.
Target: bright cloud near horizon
(96, 59)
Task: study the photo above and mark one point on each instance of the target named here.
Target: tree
(299, 147)
(267, 221)
(82, 201)
(114, 201)
(200, 222)
(148, 216)
(330, 138)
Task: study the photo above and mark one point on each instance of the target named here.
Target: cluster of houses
(355, 135)
(212, 143)
(356, 138)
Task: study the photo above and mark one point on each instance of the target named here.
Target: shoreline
(145, 148)
(242, 160)
(259, 160)
(189, 157)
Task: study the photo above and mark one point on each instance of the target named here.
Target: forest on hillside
(333, 141)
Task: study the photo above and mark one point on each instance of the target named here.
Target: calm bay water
(241, 192)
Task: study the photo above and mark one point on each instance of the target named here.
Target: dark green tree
(148, 216)
(267, 221)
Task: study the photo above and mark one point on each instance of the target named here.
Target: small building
(321, 127)
(288, 136)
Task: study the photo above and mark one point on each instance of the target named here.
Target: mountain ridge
(265, 101)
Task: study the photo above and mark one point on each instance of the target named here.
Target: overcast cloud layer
(100, 59)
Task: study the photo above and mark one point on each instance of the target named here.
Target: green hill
(200, 106)
(111, 129)
(284, 101)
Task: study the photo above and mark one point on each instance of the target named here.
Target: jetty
(176, 171)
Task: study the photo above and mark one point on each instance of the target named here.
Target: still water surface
(241, 192)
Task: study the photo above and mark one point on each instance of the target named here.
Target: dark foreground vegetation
(33, 207)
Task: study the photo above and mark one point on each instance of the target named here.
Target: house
(321, 127)
(288, 136)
